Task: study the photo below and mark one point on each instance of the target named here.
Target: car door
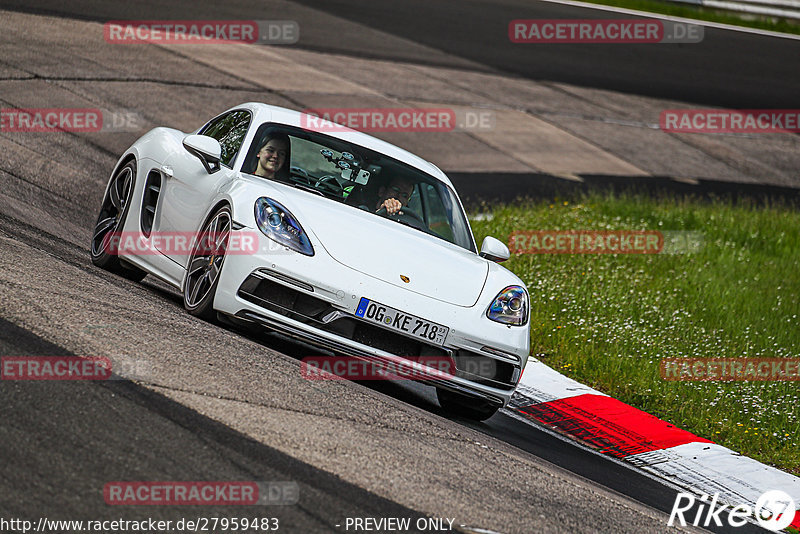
(187, 194)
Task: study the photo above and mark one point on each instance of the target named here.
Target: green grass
(607, 320)
(703, 13)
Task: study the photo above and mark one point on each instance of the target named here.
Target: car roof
(266, 113)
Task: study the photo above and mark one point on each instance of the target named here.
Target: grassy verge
(607, 320)
(703, 13)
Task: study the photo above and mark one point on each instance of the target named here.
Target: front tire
(464, 406)
(205, 265)
(111, 221)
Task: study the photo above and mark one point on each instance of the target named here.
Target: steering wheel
(300, 175)
(406, 217)
(331, 184)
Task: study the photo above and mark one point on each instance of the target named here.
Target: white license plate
(401, 321)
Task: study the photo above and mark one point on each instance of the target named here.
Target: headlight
(510, 306)
(278, 224)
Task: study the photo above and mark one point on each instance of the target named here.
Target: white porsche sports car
(333, 262)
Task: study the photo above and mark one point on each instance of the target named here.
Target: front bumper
(283, 291)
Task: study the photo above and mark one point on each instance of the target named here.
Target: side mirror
(494, 250)
(206, 149)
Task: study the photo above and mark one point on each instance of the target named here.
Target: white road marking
(675, 19)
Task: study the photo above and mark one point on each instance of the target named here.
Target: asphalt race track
(734, 69)
(216, 403)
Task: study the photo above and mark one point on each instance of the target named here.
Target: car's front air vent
(284, 300)
(285, 278)
(485, 370)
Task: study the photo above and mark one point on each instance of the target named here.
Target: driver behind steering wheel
(394, 195)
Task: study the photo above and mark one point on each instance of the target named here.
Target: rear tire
(205, 265)
(465, 406)
(111, 221)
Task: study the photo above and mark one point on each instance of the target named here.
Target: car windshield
(358, 177)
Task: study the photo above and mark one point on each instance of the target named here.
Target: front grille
(306, 308)
(303, 307)
(382, 339)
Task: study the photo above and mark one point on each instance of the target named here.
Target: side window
(436, 214)
(414, 203)
(229, 130)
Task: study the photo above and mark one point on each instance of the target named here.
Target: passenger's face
(272, 156)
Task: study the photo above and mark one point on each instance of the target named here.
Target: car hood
(387, 250)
